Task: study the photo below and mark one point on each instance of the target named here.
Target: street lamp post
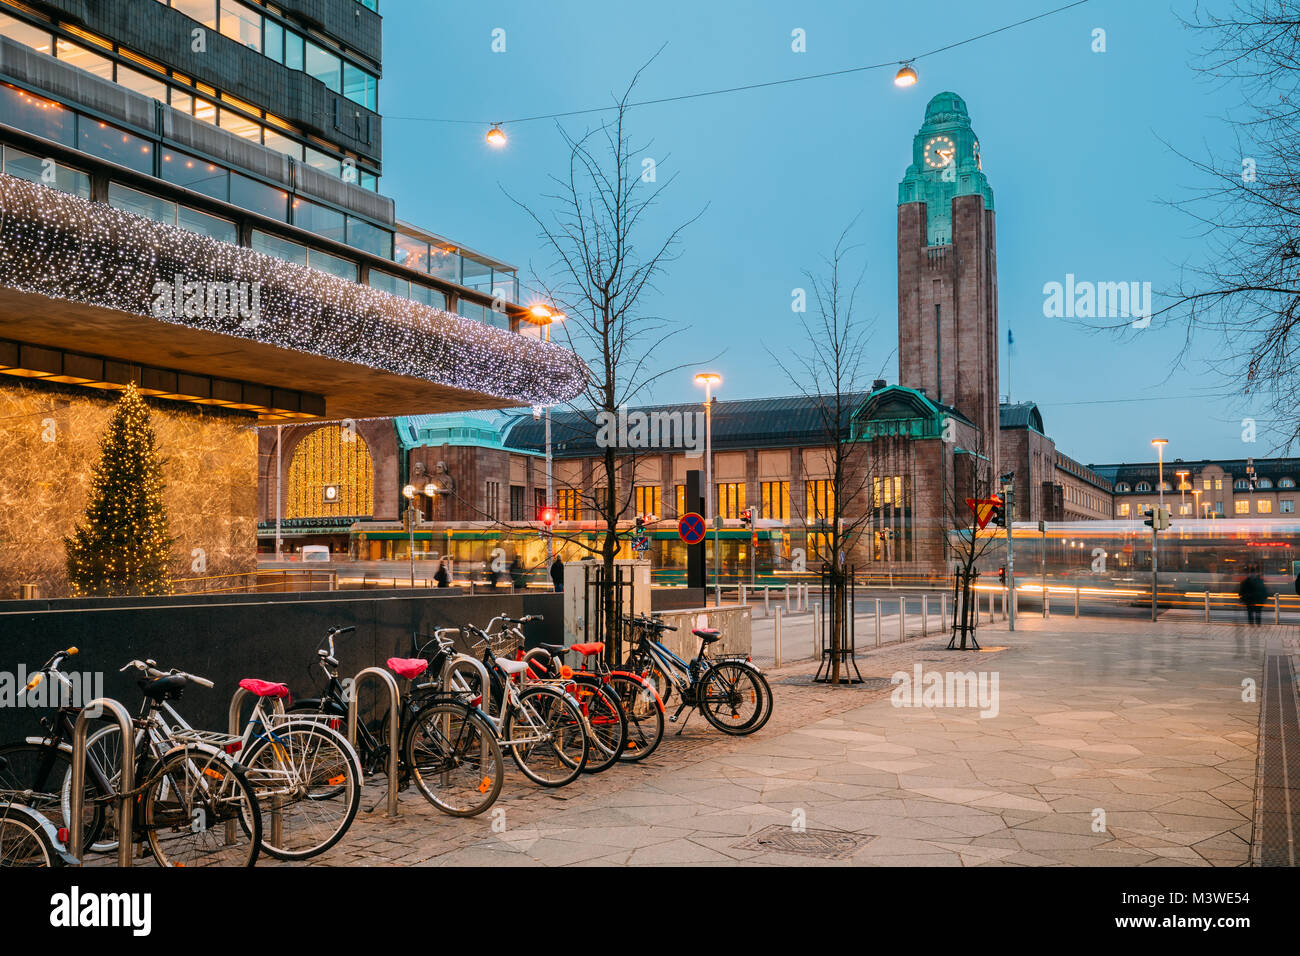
(1182, 488)
(548, 316)
(1196, 494)
(412, 493)
(708, 380)
(1160, 444)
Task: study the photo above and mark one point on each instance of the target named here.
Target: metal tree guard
(964, 620)
(840, 593)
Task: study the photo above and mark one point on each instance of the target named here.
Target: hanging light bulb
(496, 136)
(905, 76)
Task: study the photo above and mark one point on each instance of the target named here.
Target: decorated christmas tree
(122, 545)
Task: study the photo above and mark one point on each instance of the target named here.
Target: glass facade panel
(476, 275)
(324, 66)
(204, 11)
(322, 161)
(196, 174)
(393, 285)
(424, 295)
(411, 252)
(273, 40)
(182, 101)
(280, 248)
(334, 265)
(37, 115)
(444, 262)
(241, 24)
(141, 204)
(369, 238)
(258, 197)
(202, 223)
(38, 39)
(319, 219)
(360, 87)
(141, 83)
(205, 111)
(84, 59)
(281, 143)
(293, 52)
(116, 145)
(240, 125)
(39, 170)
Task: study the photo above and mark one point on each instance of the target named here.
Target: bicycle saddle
(167, 687)
(553, 648)
(587, 650)
(707, 634)
(408, 667)
(264, 688)
(512, 667)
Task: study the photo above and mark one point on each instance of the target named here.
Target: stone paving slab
(1141, 722)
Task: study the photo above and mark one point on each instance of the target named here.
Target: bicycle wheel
(200, 810)
(452, 754)
(547, 736)
(308, 783)
(731, 698)
(767, 701)
(606, 723)
(644, 715)
(46, 771)
(23, 840)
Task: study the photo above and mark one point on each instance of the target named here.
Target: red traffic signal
(548, 516)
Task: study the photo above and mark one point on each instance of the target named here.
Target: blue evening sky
(1071, 143)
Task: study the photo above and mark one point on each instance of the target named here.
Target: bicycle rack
(394, 713)
(277, 816)
(457, 661)
(126, 780)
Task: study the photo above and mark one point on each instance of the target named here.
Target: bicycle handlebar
(644, 621)
(50, 667)
(150, 668)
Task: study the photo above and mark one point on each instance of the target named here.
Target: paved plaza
(1113, 743)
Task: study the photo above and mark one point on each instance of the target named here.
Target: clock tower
(947, 272)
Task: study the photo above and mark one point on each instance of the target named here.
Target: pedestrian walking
(1251, 593)
(443, 575)
(517, 573)
(557, 573)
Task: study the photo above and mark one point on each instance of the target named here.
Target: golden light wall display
(49, 444)
(331, 475)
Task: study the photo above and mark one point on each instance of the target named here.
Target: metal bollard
(924, 622)
(777, 636)
(817, 632)
(767, 602)
(943, 610)
(1277, 609)
(1076, 602)
(902, 618)
(787, 599)
(125, 784)
(1047, 603)
(717, 595)
(742, 594)
(877, 622)
(394, 707)
(1207, 606)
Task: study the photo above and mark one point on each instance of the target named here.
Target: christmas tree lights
(123, 545)
(65, 247)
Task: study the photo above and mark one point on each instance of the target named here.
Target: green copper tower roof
(945, 164)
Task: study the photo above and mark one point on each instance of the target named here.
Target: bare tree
(1246, 291)
(606, 262)
(831, 373)
(973, 479)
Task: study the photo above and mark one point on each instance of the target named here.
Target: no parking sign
(691, 528)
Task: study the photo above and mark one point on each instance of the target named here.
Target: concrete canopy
(89, 279)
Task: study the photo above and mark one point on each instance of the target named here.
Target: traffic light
(548, 517)
(747, 518)
(640, 522)
(999, 516)
(1162, 517)
(1002, 576)
(1152, 521)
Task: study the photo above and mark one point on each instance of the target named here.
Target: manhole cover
(825, 844)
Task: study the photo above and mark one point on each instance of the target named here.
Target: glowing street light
(1160, 444)
(496, 137)
(906, 76)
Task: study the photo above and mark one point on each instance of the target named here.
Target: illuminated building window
(820, 500)
(776, 500)
(731, 499)
(1241, 506)
(331, 475)
(647, 499)
(1123, 510)
(567, 504)
(1264, 506)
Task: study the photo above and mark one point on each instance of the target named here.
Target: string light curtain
(65, 247)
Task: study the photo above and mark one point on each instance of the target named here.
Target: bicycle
(730, 691)
(447, 746)
(27, 838)
(541, 725)
(189, 790)
(305, 774)
(643, 711)
(599, 701)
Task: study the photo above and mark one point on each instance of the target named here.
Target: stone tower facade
(947, 272)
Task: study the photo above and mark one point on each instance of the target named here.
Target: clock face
(939, 152)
